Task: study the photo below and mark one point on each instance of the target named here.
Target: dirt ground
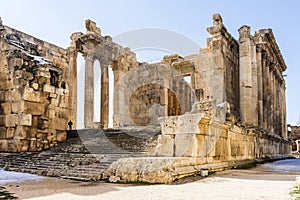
(255, 183)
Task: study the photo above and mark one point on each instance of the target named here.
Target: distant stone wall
(34, 92)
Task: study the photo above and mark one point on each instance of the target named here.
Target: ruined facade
(34, 92)
(233, 108)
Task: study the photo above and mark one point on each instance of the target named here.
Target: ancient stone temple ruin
(232, 110)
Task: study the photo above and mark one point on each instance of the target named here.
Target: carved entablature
(184, 67)
(266, 42)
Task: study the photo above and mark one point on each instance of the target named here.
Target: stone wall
(207, 137)
(34, 92)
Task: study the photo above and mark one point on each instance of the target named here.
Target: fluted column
(104, 96)
(89, 93)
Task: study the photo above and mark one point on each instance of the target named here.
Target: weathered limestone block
(14, 95)
(24, 119)
(3, 145)
(49, 88)
(5, 108)
(3, 131)
(10, 120)
(21, 132)
(2, 96)
(13, 145)
(151, 170)
(59, 124)
(185, 145)
(28, 107)
(165, 145)
(61, 136)
(10, 133)
(30, 95)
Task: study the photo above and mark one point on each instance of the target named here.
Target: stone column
(104, 96)
(245, 76)
(89, 93)
(272, 98)
(267, 105)
(259, 85)
(73, 87)
(265, 92)
(254, 74)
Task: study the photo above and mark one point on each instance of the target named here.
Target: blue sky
(55, 20)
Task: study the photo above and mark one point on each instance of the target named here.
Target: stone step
(85, 155)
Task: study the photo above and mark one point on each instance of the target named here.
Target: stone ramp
(84, 156)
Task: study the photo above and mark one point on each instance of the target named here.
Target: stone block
(18, 107)
(185, 145)
(2, 96)
(59, 124)
(165, 146)
(13, 145)
(24, 119)
(34, 108)
(3, 131)
(30, 95)
(24, 145)
(10, 120)
(3, 145)
(61, 136)
(21, 132)
(6, 108)
(49, 88)
(14, 95)
(10, 133)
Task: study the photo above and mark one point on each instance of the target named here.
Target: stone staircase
(85, 155)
